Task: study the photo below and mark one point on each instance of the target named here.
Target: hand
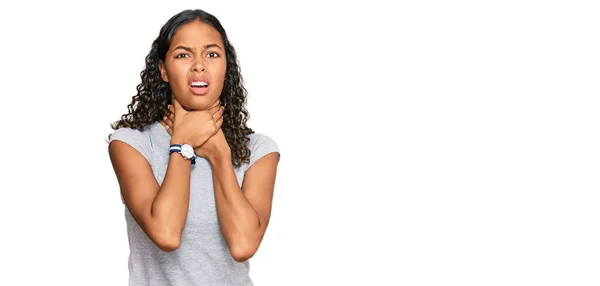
(192, 127)
(215, 147)
(169, 118)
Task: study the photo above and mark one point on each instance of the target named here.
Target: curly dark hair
(153, 94)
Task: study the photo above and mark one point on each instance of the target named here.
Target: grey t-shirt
(203, 257)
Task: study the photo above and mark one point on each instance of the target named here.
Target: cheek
(177, 75)
(177, 68)
(221, 73)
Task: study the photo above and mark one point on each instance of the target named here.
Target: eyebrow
(204, 48)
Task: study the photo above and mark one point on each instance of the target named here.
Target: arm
(161, 211)
(244, 213)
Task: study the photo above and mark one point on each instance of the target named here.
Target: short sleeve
(262, 146)
(135, 139)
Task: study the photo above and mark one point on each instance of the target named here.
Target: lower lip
(199, 90)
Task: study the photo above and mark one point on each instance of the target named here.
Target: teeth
(199, 84)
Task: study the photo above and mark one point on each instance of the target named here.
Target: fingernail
(164, 118)
(167, 127)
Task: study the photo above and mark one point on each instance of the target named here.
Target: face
(195, 65)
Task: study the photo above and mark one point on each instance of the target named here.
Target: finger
(216, 104)
(171, 117)
(169, 122)
(219, 113)
(170, 108)
(217, 110)
(177, 107)
(219, 123)
(214, 109)
(169, 130)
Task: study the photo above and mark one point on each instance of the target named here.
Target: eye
(212, 55)
(182, 55)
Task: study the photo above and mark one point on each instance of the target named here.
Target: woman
(197, 183)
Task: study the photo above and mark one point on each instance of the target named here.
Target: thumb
(178, 107)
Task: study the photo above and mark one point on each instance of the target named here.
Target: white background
(430, 143)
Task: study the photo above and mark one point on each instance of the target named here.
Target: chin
(197, 102)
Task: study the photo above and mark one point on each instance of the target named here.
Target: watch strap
(176, 148)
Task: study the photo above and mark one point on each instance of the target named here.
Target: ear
(163, 71)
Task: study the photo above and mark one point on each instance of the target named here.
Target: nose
(198, 66)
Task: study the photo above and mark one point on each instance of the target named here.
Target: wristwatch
(185, 150)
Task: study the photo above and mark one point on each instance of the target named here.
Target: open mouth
(199, 87)
(199, 84)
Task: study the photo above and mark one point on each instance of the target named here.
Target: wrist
(220, 156)
(185, 150)
(179, 140)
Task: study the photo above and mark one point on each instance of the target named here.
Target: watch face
(187, 151)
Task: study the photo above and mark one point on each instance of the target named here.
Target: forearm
(170, 206)
(239, 221)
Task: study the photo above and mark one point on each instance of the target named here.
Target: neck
(189, 109)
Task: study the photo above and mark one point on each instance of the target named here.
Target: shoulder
(125, 132)
(146, 133)
(260, 140)
(130, 135)
(261, 144)
(140, 140)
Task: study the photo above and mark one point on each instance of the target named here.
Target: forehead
(196, 34)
